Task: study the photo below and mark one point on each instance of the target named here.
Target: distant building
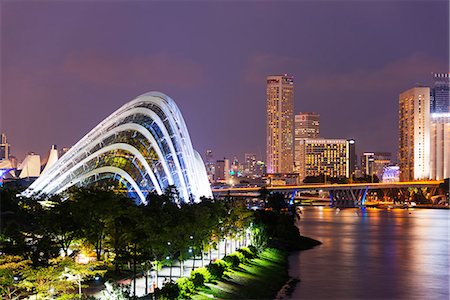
(260, 168)
(280, 124)
(440, 146)
(5, 148)
(250, 164)
(63, 151)
(222, 170)
(440, 94)
(352, 159)
(278, 179)
(373, 163)
(307, 125)
(52, 158)
(31, 166)
(329, 157)
(210, 166)
(391, 174)
(414, 134)
(219, 170)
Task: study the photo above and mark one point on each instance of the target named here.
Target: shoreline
(288, 288)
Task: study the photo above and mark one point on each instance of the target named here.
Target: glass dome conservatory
(144, 145)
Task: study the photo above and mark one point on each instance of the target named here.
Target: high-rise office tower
(4, 147)
(440, 93)
(280, 124)
(307, 125)
(440, 146)
(414, 134)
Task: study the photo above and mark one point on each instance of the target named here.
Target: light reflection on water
(373, 254)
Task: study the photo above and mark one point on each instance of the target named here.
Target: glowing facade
(144, 145)
(414, 134)
(440, 146)
(330, 157)
(280, 124)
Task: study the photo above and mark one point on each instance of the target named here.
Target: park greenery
(42, 238)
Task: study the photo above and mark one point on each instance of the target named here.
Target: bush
(253, 250)
(186, 287)
(249, 254)
(234, 259)
(217, 268)
(170, 291)
(200, 276)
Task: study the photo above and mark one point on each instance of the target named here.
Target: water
(373, 254)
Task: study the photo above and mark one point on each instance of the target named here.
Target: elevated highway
(341, 195)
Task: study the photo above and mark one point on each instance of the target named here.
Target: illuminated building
(222, 170)
(329, 157)
(440, 94)
(210, 165)
(5, 148)
(52, 158)
(250, 164)
(260, 168)
(307, 125)
(391, 174)
(373, 163)
(280, 124)
(143, 147)
(31, 166)
(414, 134)
(219, 171)
(440, 146)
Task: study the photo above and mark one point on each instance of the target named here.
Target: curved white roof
(144, 144)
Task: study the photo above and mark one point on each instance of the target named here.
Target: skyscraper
(440, 94)
(280, 124)
(414, 134)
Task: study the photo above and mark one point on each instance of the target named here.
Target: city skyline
(69, 77)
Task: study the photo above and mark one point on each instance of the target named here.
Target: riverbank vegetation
(52, 246)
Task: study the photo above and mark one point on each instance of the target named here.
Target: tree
(63, 221)
(12, 270)
(276, 201)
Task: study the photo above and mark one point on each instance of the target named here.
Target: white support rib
(196, 179)
(109, 169)
(118, 146)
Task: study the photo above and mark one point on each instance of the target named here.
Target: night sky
(65, 66)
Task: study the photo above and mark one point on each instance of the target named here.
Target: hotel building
(280, 124)
(414, 134)
(330, 157)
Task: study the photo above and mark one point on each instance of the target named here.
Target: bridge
(340, 195)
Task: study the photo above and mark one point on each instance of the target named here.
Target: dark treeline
(42, 237)
(124, 236)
